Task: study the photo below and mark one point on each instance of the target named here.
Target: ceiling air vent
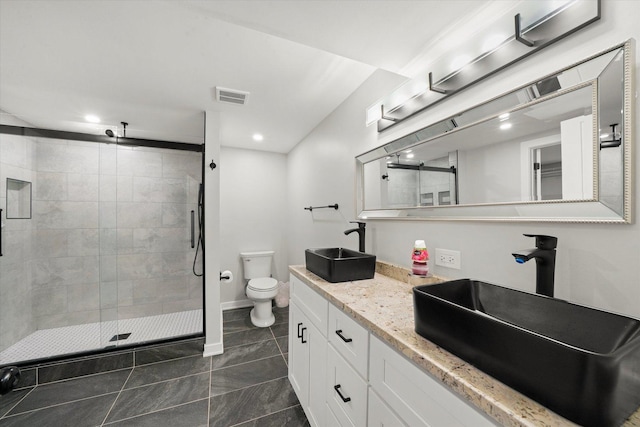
(231, 95)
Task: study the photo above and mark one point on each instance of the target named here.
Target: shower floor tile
(92, 336)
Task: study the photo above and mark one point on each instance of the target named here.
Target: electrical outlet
(448, 258)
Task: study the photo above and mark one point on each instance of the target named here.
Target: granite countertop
(384, 305)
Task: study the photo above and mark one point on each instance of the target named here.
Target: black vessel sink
(581, 363)
(340, 264)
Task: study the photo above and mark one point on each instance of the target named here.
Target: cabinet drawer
(346, 391)
(314, 306)
(350, 339)
(420, 399)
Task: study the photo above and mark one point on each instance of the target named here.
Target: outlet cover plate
(448, 258)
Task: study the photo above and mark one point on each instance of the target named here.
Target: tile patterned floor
(174, 385)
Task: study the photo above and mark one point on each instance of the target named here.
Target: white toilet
(262, 288)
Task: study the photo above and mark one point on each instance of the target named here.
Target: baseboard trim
(213, 349)
(230, 305)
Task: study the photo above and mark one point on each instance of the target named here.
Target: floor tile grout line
(266, 415)
(17, 403)
(154, 411)
(165, 381)
(169, 360)
(248, 343)
(244, 363)
(249, 386)
(83, 376)
(58, 404)
(117, 397)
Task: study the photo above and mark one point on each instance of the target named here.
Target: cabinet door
(307, 365)
(299, 354)
(317, 376)
(380, 415)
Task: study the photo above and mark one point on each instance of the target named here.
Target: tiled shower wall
(16, 161)
(109, 237)
(112, 232)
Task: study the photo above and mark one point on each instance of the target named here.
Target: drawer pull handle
(299, 333)
(302, 336)
(344, 399)
(339, 333)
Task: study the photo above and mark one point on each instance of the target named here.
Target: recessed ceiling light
(258, 137)
(91, 118)
(505, 126)
(409, 156)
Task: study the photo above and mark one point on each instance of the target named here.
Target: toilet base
(261, 314)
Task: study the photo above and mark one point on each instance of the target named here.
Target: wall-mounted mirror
(558, 149)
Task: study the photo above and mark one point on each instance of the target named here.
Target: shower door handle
(0, 232)
(193, 235)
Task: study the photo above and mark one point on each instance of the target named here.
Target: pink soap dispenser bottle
(420, 259)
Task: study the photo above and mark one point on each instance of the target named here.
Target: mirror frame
(578, 211)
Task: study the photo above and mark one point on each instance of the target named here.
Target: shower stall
(98, 248)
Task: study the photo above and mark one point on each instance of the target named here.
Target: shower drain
(120, 337)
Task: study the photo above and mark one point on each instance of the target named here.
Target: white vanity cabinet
(346, 376)
(308, 350)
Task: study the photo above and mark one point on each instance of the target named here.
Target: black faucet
(360, 231)
(545, 255)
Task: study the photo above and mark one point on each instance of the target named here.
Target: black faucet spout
(361, 231)
(545, 256)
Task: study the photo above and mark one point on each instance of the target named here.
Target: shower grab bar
(193, 235)
(0, 232)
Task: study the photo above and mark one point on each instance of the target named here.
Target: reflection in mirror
(537, 145)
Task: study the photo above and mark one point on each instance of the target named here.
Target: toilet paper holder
(226, 276)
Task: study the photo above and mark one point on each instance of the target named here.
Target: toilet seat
(262, 284)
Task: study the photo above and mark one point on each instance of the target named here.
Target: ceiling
(155, 64)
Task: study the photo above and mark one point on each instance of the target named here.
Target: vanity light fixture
(535, 26)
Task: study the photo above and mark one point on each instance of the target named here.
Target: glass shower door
(159, 296)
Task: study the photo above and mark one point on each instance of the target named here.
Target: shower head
(109, 133)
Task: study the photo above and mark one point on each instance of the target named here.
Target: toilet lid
(262, 284)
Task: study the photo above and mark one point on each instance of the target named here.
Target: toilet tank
(257, 264)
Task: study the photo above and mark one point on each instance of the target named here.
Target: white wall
(252, 213)
(499, 167)
(597, 264)
(213, 314)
